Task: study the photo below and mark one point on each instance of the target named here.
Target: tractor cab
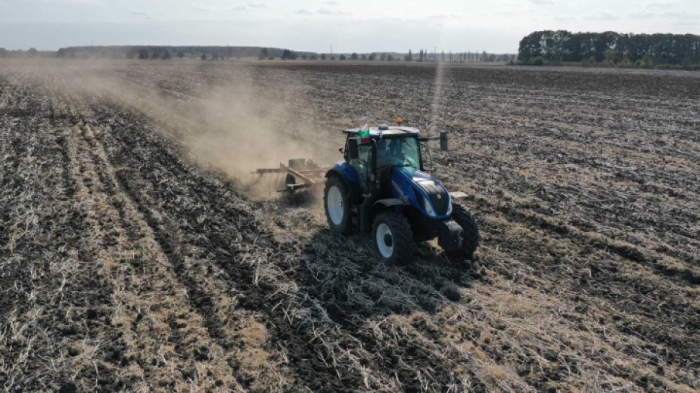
(374, 151)
(382, 189)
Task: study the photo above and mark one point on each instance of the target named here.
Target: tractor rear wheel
(470, 229)
(337, 205)
(393, 238)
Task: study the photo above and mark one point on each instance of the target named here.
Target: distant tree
(143, 54)
(364, 57)
(342, 57)
(313, 56)
(409, 56)
(443, 56)
(323, 56)
(389, 57)
(354, 56)
(166, 55)
(304, 56)
(61, 52)
(32, 52)
(332, 57)
(382, 57)
(484, 56)
(286, 54)
(203, 56)
(492, 58)
(215, 56)
(372, 57)
(262, 54)
(180, 54)
(155, 54)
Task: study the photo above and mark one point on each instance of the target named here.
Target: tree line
(237, 52)
(610, 48)
(421, 56)
(166, 52)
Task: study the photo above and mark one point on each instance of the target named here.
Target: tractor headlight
(428, 207)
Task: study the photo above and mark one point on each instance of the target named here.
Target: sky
(362, 26)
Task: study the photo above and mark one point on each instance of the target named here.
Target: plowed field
(137, 254)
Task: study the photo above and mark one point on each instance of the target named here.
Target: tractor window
(403, 152)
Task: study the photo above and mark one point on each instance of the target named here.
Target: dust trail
(437, 92)
(241, 132)
(225, 116)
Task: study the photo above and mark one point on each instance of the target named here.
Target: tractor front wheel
(470, 230)
(393, 237)
(337, 205)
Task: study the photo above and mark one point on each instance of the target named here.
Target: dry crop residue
(131, 260)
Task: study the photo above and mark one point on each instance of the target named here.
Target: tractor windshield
(402, 152)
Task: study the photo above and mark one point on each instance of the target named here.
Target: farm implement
(382, 188)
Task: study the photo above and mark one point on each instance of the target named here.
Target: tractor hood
(421, 191)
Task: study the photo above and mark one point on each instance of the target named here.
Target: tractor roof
(387, 132)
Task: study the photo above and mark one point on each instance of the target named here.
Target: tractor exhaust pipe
(443, 141)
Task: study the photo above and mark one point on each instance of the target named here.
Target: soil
(134, 256)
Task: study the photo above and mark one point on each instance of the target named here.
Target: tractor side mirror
(353, 149)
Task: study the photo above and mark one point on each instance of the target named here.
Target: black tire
(343, 226)
(289, 179)
(470, 230)
(401, 238)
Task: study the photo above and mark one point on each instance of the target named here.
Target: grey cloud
(678, 15)
(256, 5)
(304, 11)
(683, 15)
(141, 13)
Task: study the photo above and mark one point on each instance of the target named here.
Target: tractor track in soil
(125, 265)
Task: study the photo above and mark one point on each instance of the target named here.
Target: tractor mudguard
(344, 170)
(389, 202)
(347, 174)
(384, 204)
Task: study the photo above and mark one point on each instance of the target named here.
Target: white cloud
(256, 5)
(661, 4)
(601, 15)
(331, 2)
(206, 8)
(328, 11)
(444, 17)
(542, 2)
(643, 14)
(304, 11)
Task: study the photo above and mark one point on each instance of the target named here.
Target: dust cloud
(227, 119)
(243, 132)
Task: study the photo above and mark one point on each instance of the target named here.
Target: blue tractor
(381, 189)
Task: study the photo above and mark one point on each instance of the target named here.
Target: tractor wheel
(337, 205)
(470, 229)
(393, 238)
